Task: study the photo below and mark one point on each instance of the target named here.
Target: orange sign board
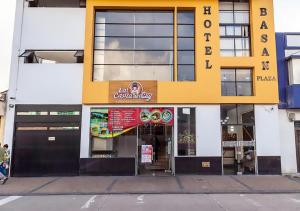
(128, 92)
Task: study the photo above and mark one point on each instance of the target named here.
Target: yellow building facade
(206, 89)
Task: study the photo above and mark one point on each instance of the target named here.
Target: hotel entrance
(154, 150)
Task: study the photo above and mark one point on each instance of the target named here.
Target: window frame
(234, 24)
(236, 82)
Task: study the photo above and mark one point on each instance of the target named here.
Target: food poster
(113, 122)
(147, 153)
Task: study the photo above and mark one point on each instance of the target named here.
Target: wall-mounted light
(292, 117)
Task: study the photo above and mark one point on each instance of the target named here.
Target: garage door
(46, 141)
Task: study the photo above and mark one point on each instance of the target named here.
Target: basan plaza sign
(128, 92)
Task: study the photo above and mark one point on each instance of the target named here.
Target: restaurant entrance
(155, 149)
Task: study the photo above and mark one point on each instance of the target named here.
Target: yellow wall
(207, 87)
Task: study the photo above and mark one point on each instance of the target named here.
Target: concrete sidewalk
(150, 185)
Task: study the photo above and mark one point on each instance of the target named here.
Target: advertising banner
(113, 122)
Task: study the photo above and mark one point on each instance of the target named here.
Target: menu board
(113, 122)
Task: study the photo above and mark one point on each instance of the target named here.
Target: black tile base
(196, 165)
(107, 166)
(269, 165)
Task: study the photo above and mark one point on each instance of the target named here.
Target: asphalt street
(150, 202)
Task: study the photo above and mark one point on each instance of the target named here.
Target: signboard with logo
(113, 122)
(146, 153)
(128, 92)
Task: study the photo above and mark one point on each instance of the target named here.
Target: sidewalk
(150, 185)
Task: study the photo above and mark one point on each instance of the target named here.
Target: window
(186, 131)
(110, 144)
(293, 40)
(237, 82)
(133, 45)
(56, 3)
(294, 71)
(186, 45)
(52, 57)
(237, 122)
(235, 28)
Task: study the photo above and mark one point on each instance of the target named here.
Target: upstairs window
(294, 70)
(237, 82)
(133, 45)
(186, 45)
(235, 28)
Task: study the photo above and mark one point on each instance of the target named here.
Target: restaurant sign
(132, 92)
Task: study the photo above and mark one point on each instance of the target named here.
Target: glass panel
(242, 52)
(226, 5)
(121, 146)
(228, 74)
(245, 31)
(243, 75)
(119, 30)
(114, 17)
(154, 30)
(293, 40)
(242, 43)
(244, 89)
(122, 43)
(228, 114)
(241, 17)
(246, 114)
(228, 89)
(123, 30)
(186, 131)
(237, 133)
(186, 17)
(186, 44)
(226, 17)
(133, 72)
(186, 31)
(241, 6)
(114, 43)
(222, 30)
(186, 57)
(227, 53)
(154, 17)
(134, 17)
(133, 57)
(227, 43)
(186, 73)
(294, 71)
(238, 31)
(229, 30)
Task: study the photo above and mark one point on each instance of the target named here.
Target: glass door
(154, 149)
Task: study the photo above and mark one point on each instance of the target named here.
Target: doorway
(155, 147)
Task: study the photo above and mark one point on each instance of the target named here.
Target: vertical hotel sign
(129, 92)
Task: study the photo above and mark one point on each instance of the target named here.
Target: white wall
(49, 84)
(287, 141)
(85, 132)
(53, 28)
(267, 130)
(208, 131)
